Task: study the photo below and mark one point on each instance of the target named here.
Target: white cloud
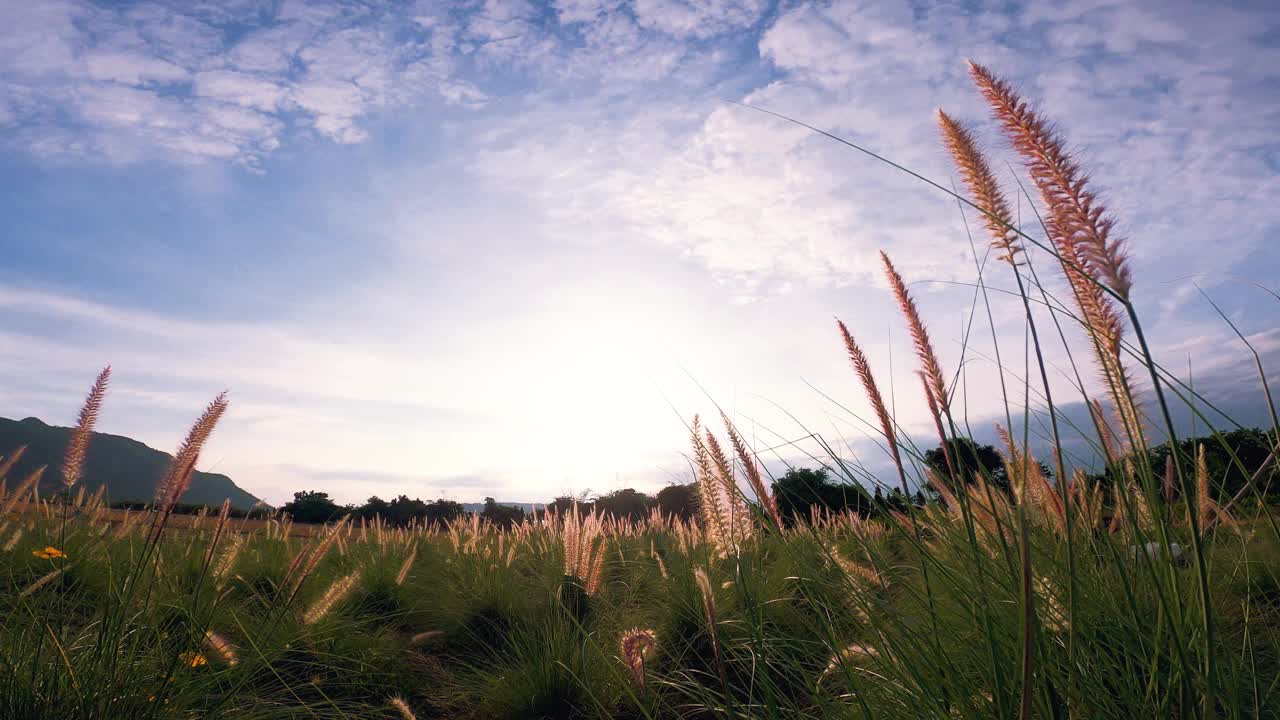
(698, 18)
(239, 89)
(129, 74)
(602, 129)
(132, 68)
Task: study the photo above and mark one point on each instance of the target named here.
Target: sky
(508, 248)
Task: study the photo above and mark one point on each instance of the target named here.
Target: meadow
(1130, 590)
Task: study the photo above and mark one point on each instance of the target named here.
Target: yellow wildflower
(49, 553)
(193, 659)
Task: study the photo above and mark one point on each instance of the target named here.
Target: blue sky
(482, 248)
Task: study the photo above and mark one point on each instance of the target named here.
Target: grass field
(847, 618)
(117, 517)
(1134, 592)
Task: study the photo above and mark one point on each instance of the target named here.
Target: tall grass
(1144, 593)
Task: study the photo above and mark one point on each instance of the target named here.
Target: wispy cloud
(490, 238)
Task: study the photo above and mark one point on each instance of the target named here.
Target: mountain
(129, 469)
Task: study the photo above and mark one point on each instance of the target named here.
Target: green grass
(523, 641)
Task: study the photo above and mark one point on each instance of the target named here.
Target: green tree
(1251, 446)
(803, 488)
(678, 500)
(970, 460)
(310, 506)
(626, 503)
(564, 503)
(504, 516)
(442, 511)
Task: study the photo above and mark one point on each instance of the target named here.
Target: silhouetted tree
(678, 500)
(565, 503)
(802, 488)
(443, 511)
(373, 507)
(402, 511)
(626, 503)
(894, 501)
(971, 459)
(504, 516)
(1251, 446)
(310, 506)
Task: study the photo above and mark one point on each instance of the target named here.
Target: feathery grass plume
(12, 542)
(737, 526)
(584, 549)
(929, 364)
(1077, 221)
(1210, 512)
(857, 572)
(987, 506)
(336, 593)
(712, 510)
(748, 461)
(861, 579)
(24, 488)
(406, 565)
(708, 604)
(296, 563)
(12, 459)
(45, 580)
(78, 446)
(317, 555)
(221, 647)
(982, 184)
(218, 529)
(178, 476)
(635, 644)
(227, 561)
(571, 530)
(724, 470)
(595, 571)
(851, 654)
(1140, 515)
(1087, 498)
(1079, 227)
(423, 638)
(95, 500)
(863, 368)
(1053, 615)
(942, 433)
(1030, 485)
(402, 707)
(1105, 433)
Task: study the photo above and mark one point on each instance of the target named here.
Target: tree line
(802, 491)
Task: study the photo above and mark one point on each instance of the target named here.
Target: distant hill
(129, 469)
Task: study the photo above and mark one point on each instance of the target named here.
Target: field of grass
(1130, 592)
(912, 617)
(116, 517)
